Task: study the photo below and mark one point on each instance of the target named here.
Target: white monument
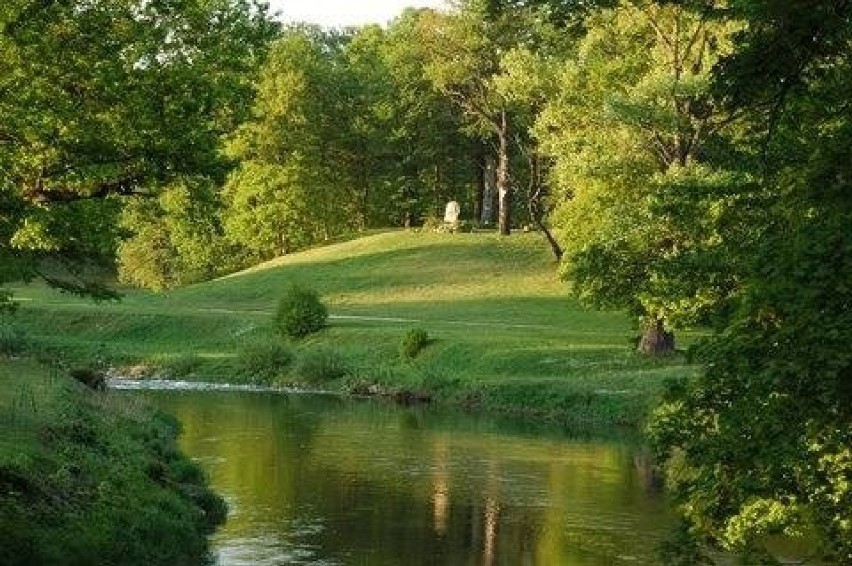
(451, 215)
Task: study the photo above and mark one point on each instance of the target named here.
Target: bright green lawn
(507, 334)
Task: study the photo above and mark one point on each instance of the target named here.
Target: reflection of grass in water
(507, 336)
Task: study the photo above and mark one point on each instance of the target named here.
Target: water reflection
(320, 480)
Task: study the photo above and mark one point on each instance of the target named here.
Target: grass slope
(92, 478)
(507, 336)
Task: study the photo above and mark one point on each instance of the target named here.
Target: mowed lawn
(506, 332)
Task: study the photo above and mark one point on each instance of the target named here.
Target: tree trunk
(536, 208)
(439, 196)
(656, 340)
(479, 187)
(365, 196)
(504, 189)
(490, 191)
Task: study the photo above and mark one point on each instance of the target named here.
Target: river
(314, 479)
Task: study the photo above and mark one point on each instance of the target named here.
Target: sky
(346, 13)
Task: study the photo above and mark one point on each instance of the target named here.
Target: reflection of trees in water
(441, 485)
(388, 487)
(492, 516)
(647, 472)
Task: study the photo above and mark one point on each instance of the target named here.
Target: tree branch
(123, 187)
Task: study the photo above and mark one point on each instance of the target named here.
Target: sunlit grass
(507, 334)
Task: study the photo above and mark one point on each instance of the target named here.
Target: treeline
(364, 128)
(689, 162)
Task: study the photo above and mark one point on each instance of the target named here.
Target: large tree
(108, 98)
(294, 150)
(630, 129)
(409, 143)
(466, 49)
(761, 444)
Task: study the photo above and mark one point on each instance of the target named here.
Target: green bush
(182, 366)
(413, 342)
(433, 223)
(91, 377)
(300, 312)
(263, 361)
(317, 366)
(465, 227)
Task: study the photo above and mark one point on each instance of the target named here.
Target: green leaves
(113, 98)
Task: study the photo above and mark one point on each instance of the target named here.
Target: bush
(465, 227)
(433, 224)
(300, 312)
(183, 366)
(317, 366)
(263, 361)
(92, 378)
(413, 342)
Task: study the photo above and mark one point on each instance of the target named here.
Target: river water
(323, 480)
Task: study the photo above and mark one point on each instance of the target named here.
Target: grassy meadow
(505, 333)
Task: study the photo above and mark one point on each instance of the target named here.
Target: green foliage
(759, 446)
(264, 361)
(13, 340)
(269, 209)
(413, 342)
(346, 134)
(628, 134)
(175, 239)
(106, 99)
(300, 312)
(318, 365)
(94, 478)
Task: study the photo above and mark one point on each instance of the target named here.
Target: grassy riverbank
(506, 334)
(91, 478)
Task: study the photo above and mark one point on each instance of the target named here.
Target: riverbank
(91, 477)
(505, 334)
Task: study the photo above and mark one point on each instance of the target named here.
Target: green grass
(506, 333)
(93, 478)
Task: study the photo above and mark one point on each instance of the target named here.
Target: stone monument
(451, 215)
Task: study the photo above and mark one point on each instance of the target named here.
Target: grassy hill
(507, 336)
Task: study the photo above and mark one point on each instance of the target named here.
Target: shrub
(413, 342)
(300, 312)
(91, 377)
(183, 366)
(317, 366)
(433, 224)
(263, 361)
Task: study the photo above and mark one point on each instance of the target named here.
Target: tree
(294, 150)
(466, 49)
(429, 152)
(760, 444)
(270, 208)
(527, 80)
(631, 128)
(175, 238)
(105, 99)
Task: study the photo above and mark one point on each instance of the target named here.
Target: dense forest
(688, 161)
